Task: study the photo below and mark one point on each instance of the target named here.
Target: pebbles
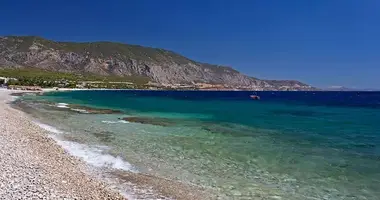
(33, 166)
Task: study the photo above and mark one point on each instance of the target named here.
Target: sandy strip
(33, 166)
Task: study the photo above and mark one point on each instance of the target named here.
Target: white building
(6, 79)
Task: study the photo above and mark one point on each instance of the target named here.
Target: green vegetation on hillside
(43, 78)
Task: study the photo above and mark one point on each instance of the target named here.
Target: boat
(255, 97)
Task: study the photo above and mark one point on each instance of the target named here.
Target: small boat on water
(255, 97)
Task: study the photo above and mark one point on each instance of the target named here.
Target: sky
(320, 42)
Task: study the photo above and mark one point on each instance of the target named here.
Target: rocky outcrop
(150, 120)
(106, 58)
(91, 110)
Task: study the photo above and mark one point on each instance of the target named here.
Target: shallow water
(289, 145)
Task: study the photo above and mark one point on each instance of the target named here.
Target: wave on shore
(79, 110)
(115, 122)
(62, 105)
(91, 155)
(48, 128)
(94, 156)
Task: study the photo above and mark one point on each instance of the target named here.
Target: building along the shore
(6, 79)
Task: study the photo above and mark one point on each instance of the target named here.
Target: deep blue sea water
(288, 145)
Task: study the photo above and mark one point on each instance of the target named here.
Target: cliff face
(106, 58)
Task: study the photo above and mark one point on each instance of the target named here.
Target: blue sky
(321, 42)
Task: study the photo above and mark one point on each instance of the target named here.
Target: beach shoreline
(35, 166)
(123, 184)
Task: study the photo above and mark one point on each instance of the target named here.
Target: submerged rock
(150, 120)
(104, 136)
(229, 129)
(91, 110)
(20, 94)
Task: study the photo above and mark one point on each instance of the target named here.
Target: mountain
(342, 88)
(116, 59)
(339, 88)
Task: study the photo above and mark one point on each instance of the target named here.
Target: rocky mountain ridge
(116, 59)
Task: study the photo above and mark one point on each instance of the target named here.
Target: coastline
(35, 166)
(119, 182)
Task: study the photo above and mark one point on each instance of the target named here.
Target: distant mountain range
(106, 58)
(342, 88)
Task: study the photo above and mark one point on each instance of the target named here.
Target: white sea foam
(94, 156)
(14, 98)
(80, 110)
(115, 122)
(91, 155)
(48, 128)
(62, 105)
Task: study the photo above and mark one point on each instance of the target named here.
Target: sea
(287, 145)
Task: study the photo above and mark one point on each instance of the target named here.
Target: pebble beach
(33, 166)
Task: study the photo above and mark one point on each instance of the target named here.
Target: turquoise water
(286, 146)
